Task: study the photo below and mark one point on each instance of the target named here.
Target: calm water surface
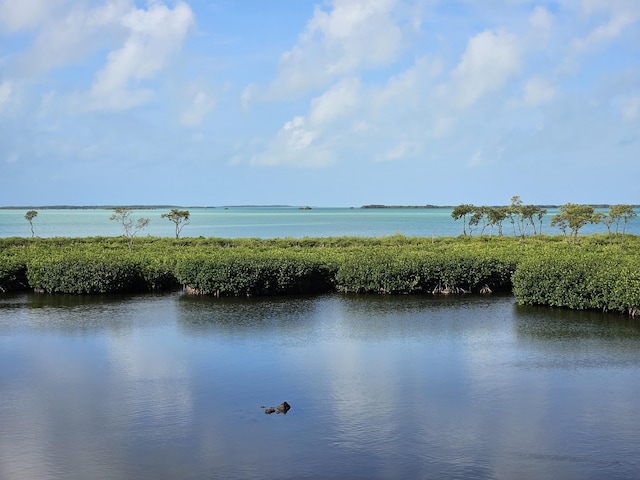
(263, 222)
(170, 386)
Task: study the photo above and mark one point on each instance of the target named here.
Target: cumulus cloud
(26, 14)
(541, 22)
(334, 103)
(295, 146)
(154, 36)
(300, 141)
(541, 19)
(620, 15)
(489, 61)
(65, 36)
(353, 34)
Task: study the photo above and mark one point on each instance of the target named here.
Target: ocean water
(261, 222)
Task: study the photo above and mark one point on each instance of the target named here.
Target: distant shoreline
(159, 207)
(594, 205)
(133, 207)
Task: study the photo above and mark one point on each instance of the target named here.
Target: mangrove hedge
(546, 270)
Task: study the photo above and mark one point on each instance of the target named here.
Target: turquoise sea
(260, 222)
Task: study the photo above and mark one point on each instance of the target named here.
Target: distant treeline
(404, 206)
(595, 274)
(594, 205)
(94, 207)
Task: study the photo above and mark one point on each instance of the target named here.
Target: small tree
(495, 217)
(463, 211)
(574, 217)
(621, 212)
(123, 216)
(540, 213)
(30, 215)
(179, 217)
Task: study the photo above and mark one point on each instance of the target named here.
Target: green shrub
(84, 274)
(233, 274)
(579, 280)
(403, 270)
(13, 274)
(596, 274)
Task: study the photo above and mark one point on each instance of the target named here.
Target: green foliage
(521, 216)
(622, 213)
(248, 273)
(463, 212)
(544, 270)
(573, 217)
(179, 217)
(122, 215)
(406, 271)
(29, 216)
(601, 280)
(13, 274)
(82, 273)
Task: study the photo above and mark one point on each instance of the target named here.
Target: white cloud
(620, 14)
(537, 91)
(201, 99)
(302, 141)
(402, 150)
(69, 35)
(296, 135)
(155, 34)
(489, 61)
(541, 20)
(295, 146)
(26, 14)
(336, 102)
(354, 34)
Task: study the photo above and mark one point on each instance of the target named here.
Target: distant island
(404, 206)
(133, 207)
(594, 205)
(159, 207)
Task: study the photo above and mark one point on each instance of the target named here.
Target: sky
(319, 103)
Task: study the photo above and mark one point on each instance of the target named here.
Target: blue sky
(334, 103)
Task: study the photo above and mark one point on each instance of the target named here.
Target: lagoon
(262, 222)
(381, 387)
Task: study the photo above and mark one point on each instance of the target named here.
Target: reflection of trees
(544, 323)
(414, 316)
(338, 315)
(87, 313)
(256, 315)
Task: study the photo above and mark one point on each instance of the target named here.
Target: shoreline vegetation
(300, 207)
(599, 272)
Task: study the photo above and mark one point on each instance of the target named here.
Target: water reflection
(170, 386)
(554, 323)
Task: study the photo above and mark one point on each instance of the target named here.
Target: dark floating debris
(283, 408)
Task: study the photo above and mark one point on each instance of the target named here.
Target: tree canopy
(179, 217)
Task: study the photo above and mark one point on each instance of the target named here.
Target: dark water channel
(170, 386)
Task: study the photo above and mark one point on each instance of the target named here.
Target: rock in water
(284, 407)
